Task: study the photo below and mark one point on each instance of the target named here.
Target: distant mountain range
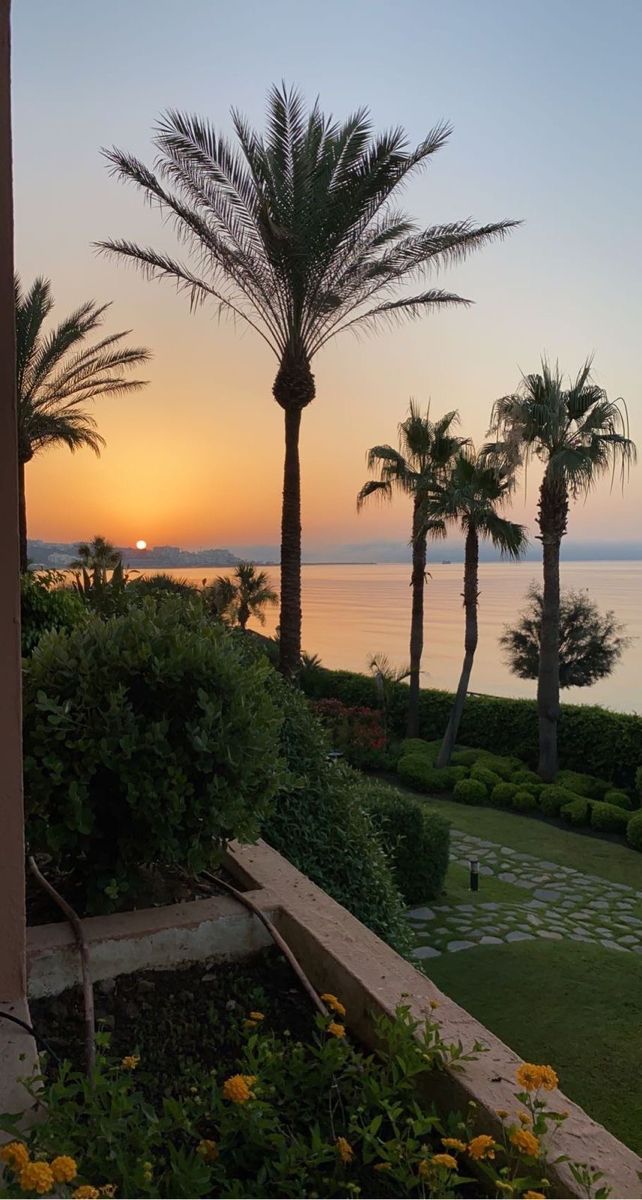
(61, 554)
(449, 550)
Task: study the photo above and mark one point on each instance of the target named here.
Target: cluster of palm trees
(296, 233)
(578, 434)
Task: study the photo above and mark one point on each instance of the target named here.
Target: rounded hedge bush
(523, 775)
(470, 791)
(524, 801)
(583, 785)
(485, 775)
(426, 750)
(502, 766)
(552, 798)
(608, 818)
(577, 811)
(620, 799)
(502, 794)
(147, 740)
(417, 771)
(465, 757)
(416, 840)
(634, 831)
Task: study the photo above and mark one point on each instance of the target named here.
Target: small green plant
(465, 757)
(416, 840)
(621, 799)
(500, 764)
(608, 818)
(485, 775)
(634, 831)
(46, 604)
(590, 786)
(577, 811)
(417, 771)
(503, 794)
(552, 798)
(528, 777)
(471, 791)
(524, 801)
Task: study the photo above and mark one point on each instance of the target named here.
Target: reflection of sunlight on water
(351, 612)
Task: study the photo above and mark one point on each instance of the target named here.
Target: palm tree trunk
(290, 618)
(552, 516)
(417, 618)
(22, 516)
(471, 593)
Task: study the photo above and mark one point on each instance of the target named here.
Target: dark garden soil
(181, 1020)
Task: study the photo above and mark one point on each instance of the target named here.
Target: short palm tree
(57, 374)
(579, 435)
(472, 496)
(426, 451)
(295, 233)
(98, 555)
(253, 592)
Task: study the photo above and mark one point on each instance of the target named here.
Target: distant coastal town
(59, 555)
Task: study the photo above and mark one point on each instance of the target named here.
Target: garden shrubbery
(634, 831)
(147, 740)
(358, 733)
(45, 605)
(577, 811)
(471, 791)
(608, 818)
(416, 840)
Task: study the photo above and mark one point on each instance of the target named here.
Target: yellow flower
(383, 1166)
(504, 1186)
(250, 1024)
(14, 1155)
(130, 1062)
(534, 1196)
(257, 1016)
(454, 1144)
(423, 1168)
(434, 1004)
(36, 1178)
(332, 1002)
(86, 1192)
(344, 1150)
(482, 1146)
(532, 1077)
(237, 1088)
(208, 1150)
(148, 1171)
(501, 1112)
(64, 1168)
(525, 1142)
(525, 1118)
(445, 1160)
(336, 1030)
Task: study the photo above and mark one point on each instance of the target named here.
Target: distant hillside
(60, 554)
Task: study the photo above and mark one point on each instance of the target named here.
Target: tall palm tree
(426, 450)
(57, 374)
(253, 593)
(471, 496)
(294, 232)
(579, 435)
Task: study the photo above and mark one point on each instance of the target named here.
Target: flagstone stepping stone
(421, 914)
(495, 941)
(490, 906)
(426, 952)
(453, 947)
(551, 934)
(517, 935)
(630, 920)
(546, 894)
(612, 945)
(507, 877)
(629, 940)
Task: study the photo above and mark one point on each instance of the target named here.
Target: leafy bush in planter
(619, 798)
(577, 811)
(502, 794)
(147, 739)
(583, 785)
(46, 604)
(524, 801)
(484, 775)
(418, 772)
(470, 791)
(608, 818)
(634, 831)
(416, 840)
(552, 798)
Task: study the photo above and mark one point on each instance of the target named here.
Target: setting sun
(141, 544)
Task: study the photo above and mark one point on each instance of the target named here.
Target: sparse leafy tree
(426, 450)
(591, 642)
(472, 496)
(58, 374)
(295, 232)
(579, 435)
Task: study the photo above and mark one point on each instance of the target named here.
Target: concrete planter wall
(341, 956)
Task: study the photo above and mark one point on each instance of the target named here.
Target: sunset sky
(546, 100)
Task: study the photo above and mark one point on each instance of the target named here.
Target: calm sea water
(352, 612)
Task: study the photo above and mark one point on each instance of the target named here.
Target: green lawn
(457, 889)
(570, 1004)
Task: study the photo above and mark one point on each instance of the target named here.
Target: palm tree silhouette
(295, 234)
(426, 450)
(57, 375)
(579, 435)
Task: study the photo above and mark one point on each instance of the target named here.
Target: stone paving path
(559, 902)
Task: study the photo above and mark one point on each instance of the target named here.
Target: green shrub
(577, 811)
(583, 785)
(502, 794)
(552, 798)
(619, 798)
(465, 757)
(416, 840)
(426, 750)
(470, 791)
(161, 585)
(502, 766)
(147, 739)
(529, 777)
(634, 831)
(638, 782)
(608, 818)
(418, 772)
(321, 822)
(524, 801)
(484, 775)
(45, 604)
(588, 735)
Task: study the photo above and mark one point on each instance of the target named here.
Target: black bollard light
(474, 875)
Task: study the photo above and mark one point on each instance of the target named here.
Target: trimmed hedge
(418, 772)
(619, 798)
(464, 757)
(524, 801)
(470, 791)
(486, 776)
(502, 794)
(608, 818)
(590, 786)
(552, 798)
(634, 831)
(589, 737)
(576, 812)
(416, 840)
